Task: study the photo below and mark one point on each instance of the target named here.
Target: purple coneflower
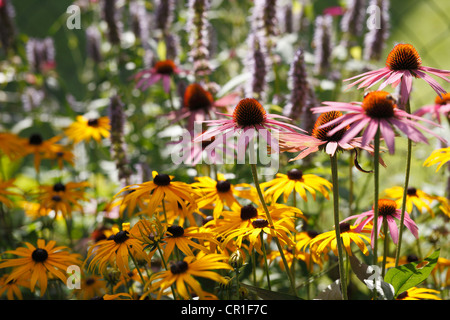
(441, 106)
(249, 116)
(402, 65)
(387, 211)
(378, 111)
(162, 70)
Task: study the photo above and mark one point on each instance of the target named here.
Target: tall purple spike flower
(197, 29)
(139, 20)
(118, 149)
(164, 15)
(40, 54)
(256, 63)
(111, 14)
(375, 39)
(322, 44)
(7, 30)
(299, 87)
(353, 19)
(93, 44)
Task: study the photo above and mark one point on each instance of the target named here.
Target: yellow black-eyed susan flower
(295, 180)
(182, 274)
(414, 198)
(12, 288)
(116, 251)
(419, 294)
(39, 263)
(84, 129)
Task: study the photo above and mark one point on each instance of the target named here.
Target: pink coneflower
(377, 111)
(387, 210)
(441, 106)
(162, 70)
(402, 65)
(250, 117)
(198, 105)
(319, 139)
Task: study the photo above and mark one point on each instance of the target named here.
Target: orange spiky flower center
(403, 57)
(444, 100)
(379, 104)
(196, 98)
(386, 207)
(321, 133)
(249, 112)
(165, 67)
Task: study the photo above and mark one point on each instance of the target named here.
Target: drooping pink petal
(393, 77)
(388, 134)
(370, 132)
(331, 147)
(412, 133)
(392, 228)
(433, 83)
(355, 128)
(166, 83)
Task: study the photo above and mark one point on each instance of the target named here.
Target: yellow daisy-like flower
(182, 274)
(327, 240)
(61, 155)
(177, 236)
(84, 129)
(296, 181)
(34, 210)
(302, 241)
(11, 145)
(419, 294)
(12, 287)
(5, 192)
(39, 263)
(439, 156)
(116, 251)
(91, 286)
(415, 197)
(280, 229)
(149, 195)
(390, 261)
(219, 194)
(63, 198)
(40, 148)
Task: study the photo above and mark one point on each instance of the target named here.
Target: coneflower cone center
(248, 212)
(223, 186)
(161, 180)
(179, 267)
(379, 105)
(249, 112)
(197, 98)
(176, 231)
(322, 133)
(39, 255)
(403, 57)
(444, 100)
(295, 174)
(165, 67)
(386, 207)
(35, 139)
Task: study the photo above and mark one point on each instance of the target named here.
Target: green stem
(269, 219)
(165, 267)
(266, 266)
(405, 193)
(376, 191)
(386, 248)
(334, 174)
(136, 266)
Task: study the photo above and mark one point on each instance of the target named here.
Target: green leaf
(269, 295)
(412, 274)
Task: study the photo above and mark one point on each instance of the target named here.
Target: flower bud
(236, 259)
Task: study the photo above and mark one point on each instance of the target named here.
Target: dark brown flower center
(56, 198)
(249, 112)
(322, 133)
(39, 255)
(223, 186)
(260, 223)
(175, 231)
(344, 227)
(312, 234)
(411, 191)
(295, 174)
(90, 281)
(379, 105)
(403, 57)
(162, 179)
(121, 236)
(59, 187)
(412, 258)
(92, 122)
(386, 207)
(179, 267)
(165, 67)
(35, 139)
(197, 98)
(402, 295)
(248, 212)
